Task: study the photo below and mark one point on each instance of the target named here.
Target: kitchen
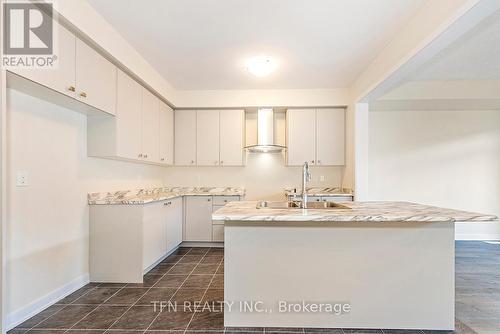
(131, 165)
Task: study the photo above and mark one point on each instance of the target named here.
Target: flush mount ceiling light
(261, 66)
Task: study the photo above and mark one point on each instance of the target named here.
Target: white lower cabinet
(127, 240)
(174, 223)
(198, 218)
(154, 233)
(218, 233)
(198, 224)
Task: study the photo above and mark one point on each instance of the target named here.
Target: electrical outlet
(22, 179)
(322, 178)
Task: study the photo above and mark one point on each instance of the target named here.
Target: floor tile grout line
(149, 289)
(98, 305)
(62, 308)
(178, 288)
(204, 293)
(189, 323)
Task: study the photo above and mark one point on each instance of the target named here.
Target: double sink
(298, 205)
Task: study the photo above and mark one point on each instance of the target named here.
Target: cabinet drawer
(223, 200)
(218, 233)
(337, 198)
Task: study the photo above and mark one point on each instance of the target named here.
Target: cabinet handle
(140, 155)
(83, 94)
(145, 155)
(71, 88)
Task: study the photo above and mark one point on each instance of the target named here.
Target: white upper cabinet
(150, 127)
(316, 136)
(128, 117)
(61, 78)
(232, 125)
(185, 137)
(207, 138)
(166, 134)
(301, 136)
(95, 79)
(330, 134)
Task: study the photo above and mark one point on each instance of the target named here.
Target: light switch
(22, 179)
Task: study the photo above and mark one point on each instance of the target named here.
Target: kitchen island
(386, 265)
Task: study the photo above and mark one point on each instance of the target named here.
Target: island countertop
(356, 212)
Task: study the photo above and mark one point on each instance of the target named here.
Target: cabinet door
(128, 117)
(150, 126)
(330, 140)
(301, 136)
(154, 233)
(218, 233)
(95, 78)
(207, 138)
(174, 223)
(231, 137)
(61, 78)
(166, 134)
(185, 137)
(198, 218)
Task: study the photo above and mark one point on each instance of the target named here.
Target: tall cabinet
(316, 136)
(142, 128)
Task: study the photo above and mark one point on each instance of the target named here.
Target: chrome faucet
(306, 176)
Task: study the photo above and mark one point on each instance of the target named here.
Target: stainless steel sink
(298, 205)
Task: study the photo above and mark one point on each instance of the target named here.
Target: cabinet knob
(192, 162)
(145, 155)
(319, 161)
(83, 94)
(162, 159)
(312, 161)
(140, 155)
(71, 88)
(209, 200)
(221, 162)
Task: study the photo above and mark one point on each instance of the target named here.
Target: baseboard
(202, 244)
(145, 271)
(19, 316)
(477, 230)
(478, 236)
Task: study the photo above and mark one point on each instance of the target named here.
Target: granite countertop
(357, 212)
(144, 196)
(321, 191)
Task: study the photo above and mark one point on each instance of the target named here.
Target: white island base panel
(393, 275)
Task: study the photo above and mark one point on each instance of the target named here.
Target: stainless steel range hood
(265, 133)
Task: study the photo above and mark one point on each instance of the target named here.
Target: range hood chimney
(265, 133)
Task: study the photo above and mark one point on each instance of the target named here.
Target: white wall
(264, 176)
(444, 158)
(47, 222)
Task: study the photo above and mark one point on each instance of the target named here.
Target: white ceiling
(202, 44)
(475, 56)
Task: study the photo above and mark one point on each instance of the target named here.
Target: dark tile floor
(196, 274)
